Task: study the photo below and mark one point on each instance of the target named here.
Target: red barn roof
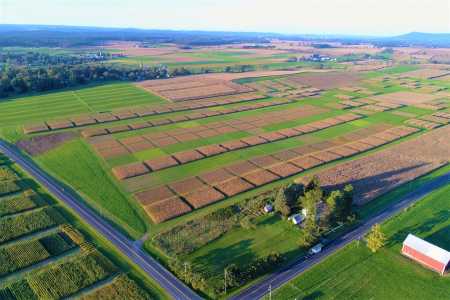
(426, 253)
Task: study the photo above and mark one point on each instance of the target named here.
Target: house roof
(428, 249)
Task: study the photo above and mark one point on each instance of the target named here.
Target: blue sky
(368, 17)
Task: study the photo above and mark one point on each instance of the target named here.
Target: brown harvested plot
(167, 209)
(381, 172)
(386, 136)
(234, 145)
(423, 124)
(272, 136)
(104, 117)
(161, 163)
(130, 170)
(141, 146)
(426, 73)
(306, 162)
(154, 195)
(41, 144)
(186, 137)
(203, 197)
(373, 141)
(264, 161)
(215, 177)
(165, 141)
(90, 132)
(344, 151)
(407, 98)
(376, 108)
(35, 128)
(285, 155)
(117, 129)
(325, 156)
(187, 186)
(325, 81)
(187, 156)
(112, 152)
(260, 177)
(62, 124)
(241, 168)
(83, 120)
(234, 186)
(435, 119)
(211, 150)
(253, 140)
(284, 170)
(289, 132)
(125, 115)
(360, 147)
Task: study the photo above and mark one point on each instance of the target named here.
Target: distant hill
(420, 39)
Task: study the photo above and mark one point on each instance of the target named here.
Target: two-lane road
(173, 286)
(277, 279)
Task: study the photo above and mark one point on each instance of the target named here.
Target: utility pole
(185, 270)
(270, 291)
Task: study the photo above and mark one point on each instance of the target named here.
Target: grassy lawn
(77, 166)
(240, 246)
(356, 273)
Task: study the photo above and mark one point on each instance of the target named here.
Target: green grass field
(78, 167)
(357, 273)
(15, 112)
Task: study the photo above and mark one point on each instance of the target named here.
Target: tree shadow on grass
(423, 228)
(215, 260)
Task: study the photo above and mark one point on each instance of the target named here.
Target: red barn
(427, 254)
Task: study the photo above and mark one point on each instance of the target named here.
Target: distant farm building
(427, 254)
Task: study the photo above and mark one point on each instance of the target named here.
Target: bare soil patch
(130, 170)
(284, 169)
(380, 172)
(215, 177)
(260, 177)
(154, 195)
(161, 163)
(187, 156)
(325, 81)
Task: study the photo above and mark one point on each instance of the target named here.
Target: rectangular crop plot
(154, 195)
(141, 146)
(289, 132)
(360, 147)
(130, 170)
(90, 132)
(187, 156)
(254, 140)
(264, 161)
(164, 142)
(203, 197)
(83, 121)
(272, 136)
(112, 152)
(260, 177)
(344, 151)
(326, 156)
(307, 162)
(285, 155)
(234, 186)
(234, 145)
(35, 128)
(161, 163)
(117, 129)
(241, 168)
(211, 150)
(167, 209)
(62, 124)
(284, 170)
(187, 186)
(373, 141)
(407, 98)
(215, 177)
(104, 117)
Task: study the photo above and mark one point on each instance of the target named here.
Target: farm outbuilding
(427, 254)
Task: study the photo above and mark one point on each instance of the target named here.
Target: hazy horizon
(336, 17)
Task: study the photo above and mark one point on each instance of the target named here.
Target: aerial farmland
(177, 170)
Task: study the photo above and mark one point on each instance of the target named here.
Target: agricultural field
(188, 163)
(355, 272)
(47, 254)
